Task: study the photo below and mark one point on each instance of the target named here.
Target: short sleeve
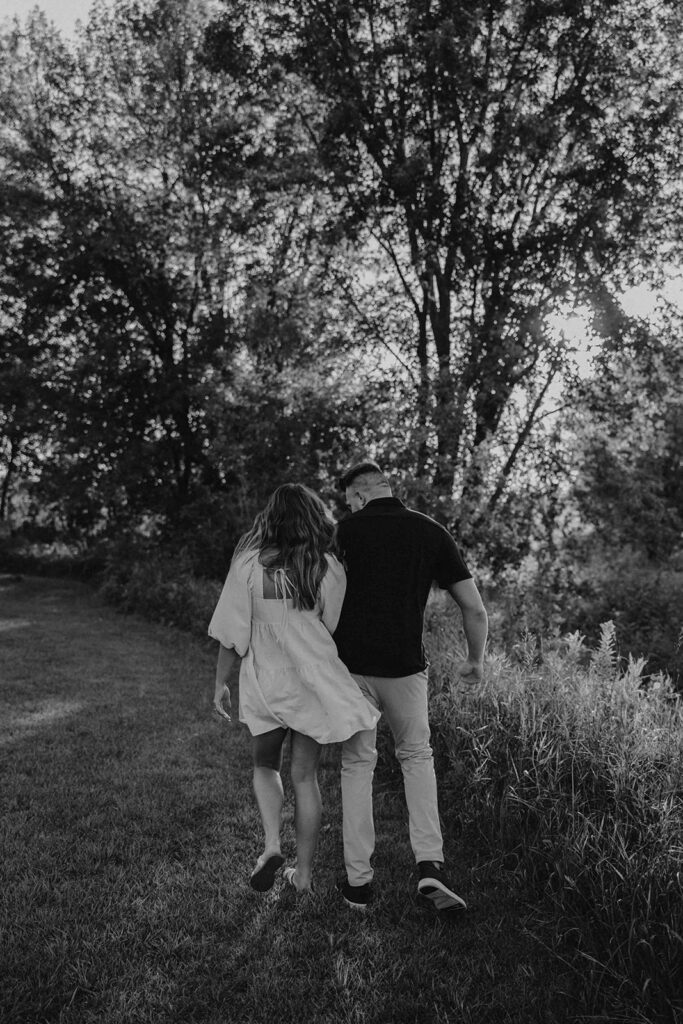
(231, 620)
(450, 566)
(332, 591)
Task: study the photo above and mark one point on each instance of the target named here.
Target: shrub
(53, 558)
(646, 604)
(205, 532)
(643, 599)
(159, 585)
(572, 775)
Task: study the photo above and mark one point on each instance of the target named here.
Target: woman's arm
(227, 659)
(332, 591)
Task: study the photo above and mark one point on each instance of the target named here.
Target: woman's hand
(227, 660)
(221, 697)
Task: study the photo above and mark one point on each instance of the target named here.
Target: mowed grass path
(128, 831)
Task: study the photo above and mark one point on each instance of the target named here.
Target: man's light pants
(403, 702)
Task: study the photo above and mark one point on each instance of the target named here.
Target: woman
(279, 606)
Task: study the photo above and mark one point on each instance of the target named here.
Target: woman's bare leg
(269, 797)
(267, 753)
(307, 805)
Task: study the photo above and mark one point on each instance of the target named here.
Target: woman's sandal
(263, 877)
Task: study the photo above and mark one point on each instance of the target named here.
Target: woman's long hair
(294, 532)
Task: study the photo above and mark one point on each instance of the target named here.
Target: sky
(62, 12)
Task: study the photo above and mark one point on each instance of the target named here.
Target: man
(392, 556)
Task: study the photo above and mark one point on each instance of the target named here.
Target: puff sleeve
(332, 591)
(231, 620)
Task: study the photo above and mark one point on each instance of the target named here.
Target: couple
(285, 598)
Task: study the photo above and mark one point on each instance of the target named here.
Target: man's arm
(476, 625)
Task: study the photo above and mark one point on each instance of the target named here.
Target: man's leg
(358, 759)
(405, 706)
(404, 702)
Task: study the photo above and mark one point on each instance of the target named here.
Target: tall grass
(569, 767)
(572, 773)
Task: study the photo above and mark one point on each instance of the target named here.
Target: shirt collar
(380, 507)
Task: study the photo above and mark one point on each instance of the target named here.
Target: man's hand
(470, 671)
(476, 624)
(222, 695)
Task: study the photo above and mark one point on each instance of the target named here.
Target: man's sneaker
(357, 896)
(434, 886)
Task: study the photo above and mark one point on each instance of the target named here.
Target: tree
(143, 171)
(503, 157)
(25, 364)
(178, 264)
(626, 433)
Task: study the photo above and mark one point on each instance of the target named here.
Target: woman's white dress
(291, 675)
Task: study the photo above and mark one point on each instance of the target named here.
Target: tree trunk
(423, 391)
(5, 488)
(447, 424)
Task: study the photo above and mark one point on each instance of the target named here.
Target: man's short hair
(367, 468)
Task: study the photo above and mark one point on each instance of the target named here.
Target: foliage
(148, 245)
(38, 551)
(503, 157)
(159, 586)
(242, 249)
(627, 429)
(103, 136)
(571, 774)
(645, 603)
(548, 598)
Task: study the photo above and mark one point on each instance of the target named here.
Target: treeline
(244, 242)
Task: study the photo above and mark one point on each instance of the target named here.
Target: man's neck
(376, 494)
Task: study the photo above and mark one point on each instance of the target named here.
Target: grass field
(129, 830)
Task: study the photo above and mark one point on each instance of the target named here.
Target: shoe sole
(350, 903)
(263, 878)
(442, 897)
(355, 906)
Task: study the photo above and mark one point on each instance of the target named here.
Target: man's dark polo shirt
(392, 555)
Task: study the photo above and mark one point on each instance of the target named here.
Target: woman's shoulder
(334, 566)
(243, 562)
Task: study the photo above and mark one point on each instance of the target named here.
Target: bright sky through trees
(574, 324)
(64, 13)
